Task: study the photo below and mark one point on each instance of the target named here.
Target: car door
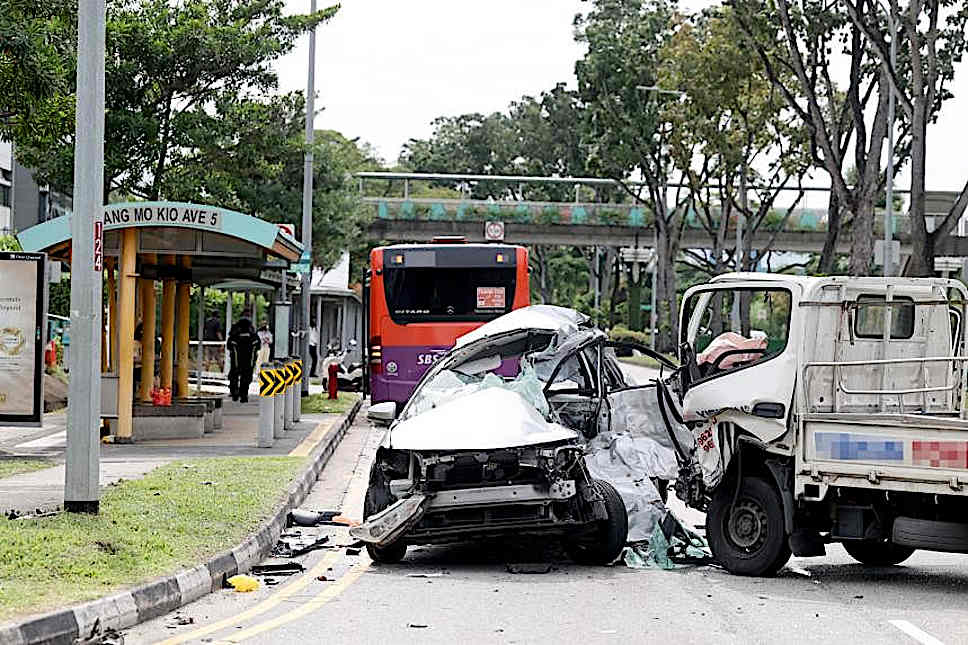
(739, 355)
(574, 390)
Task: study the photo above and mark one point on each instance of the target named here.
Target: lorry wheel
(606, 541)
(378, 498)
(748, 538)
(877, 553)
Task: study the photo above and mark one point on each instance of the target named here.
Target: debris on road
(292, 548)
(416, 626)
(98, 636)
(301, 517)
(671, 546)
(425, 575)
(287, 568)
(243, 583)
(352, 551)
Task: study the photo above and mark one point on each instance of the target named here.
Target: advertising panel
(21, 338)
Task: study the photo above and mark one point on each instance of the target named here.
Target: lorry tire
(931, 535)
(377, 498)
(605, 543)
(748, 538)
(876, 553)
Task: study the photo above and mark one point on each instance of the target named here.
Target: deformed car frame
(491, 458)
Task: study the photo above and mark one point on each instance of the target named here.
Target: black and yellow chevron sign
(297, 367)
(288, 372)
(270, 382)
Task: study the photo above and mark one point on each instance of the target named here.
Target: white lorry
(824, 409)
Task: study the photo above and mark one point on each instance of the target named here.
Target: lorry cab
(825, 409)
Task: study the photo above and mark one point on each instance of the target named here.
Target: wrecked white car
(493, 443)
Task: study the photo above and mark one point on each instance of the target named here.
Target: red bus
(423, 296)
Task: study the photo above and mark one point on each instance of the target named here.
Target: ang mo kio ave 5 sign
(21, 338)
(162, 214)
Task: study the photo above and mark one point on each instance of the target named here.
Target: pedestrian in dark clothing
(213, 328)
(243, 344)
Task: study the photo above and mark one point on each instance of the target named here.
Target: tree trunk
(828, 257)
(616, 268)
(635, 279)
(922, 251)
(666, 286)
(862, 234)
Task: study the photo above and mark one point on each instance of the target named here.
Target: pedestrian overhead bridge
(176, 244)
(583, 223)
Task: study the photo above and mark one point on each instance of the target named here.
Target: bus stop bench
(213, 410)
(176, 421)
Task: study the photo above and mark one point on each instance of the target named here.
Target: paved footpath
(44, 489)
(465, 593)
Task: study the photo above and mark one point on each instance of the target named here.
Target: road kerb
(161, 595)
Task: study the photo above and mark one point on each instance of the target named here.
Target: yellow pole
(112, 318)
(183, 295)
(125, 317)
(167, 328)
(148, 334)
(104, 343)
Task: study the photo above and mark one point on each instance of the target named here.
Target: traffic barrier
(297, 403)
(278, 403)
(269, 382)
(287, 405)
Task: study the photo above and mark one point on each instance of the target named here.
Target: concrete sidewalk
(43, 490)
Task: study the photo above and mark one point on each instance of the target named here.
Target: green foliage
(321, 404)
(9, 243)
(36, 65)
(621, 333)
(146, 528)
(59, 297)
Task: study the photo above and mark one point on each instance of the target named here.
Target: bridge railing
(584, 213)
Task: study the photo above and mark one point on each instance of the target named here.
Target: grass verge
(318, 403)
(176, 516)
(10, 467)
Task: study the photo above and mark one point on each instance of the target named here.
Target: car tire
(748, 538)
(876, 553)
(606, 541)
(377, 498)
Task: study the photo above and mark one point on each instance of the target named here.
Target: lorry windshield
(731, 328)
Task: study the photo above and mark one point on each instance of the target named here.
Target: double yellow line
(314, 603)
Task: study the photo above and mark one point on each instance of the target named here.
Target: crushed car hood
(488, 419)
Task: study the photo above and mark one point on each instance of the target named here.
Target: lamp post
(307, 210)
(889, 211)
(653, 315)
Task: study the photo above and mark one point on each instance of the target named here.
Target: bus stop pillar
(183, 296)
(148, 334)
(125, 336)
(167, 328)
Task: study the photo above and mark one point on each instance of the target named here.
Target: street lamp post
(889, 211)
(307, 209)
(82, 467)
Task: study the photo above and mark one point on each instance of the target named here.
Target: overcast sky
(386, 68)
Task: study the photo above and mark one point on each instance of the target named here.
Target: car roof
(538, 317)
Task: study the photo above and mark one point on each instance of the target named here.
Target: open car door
(739, 361)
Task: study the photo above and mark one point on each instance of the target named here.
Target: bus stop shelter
(176, 244)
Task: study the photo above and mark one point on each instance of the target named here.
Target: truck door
(743, 364)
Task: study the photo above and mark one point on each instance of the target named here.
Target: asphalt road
(467, 594)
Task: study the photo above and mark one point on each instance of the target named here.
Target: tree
(835, 119)
(927, 52)
(167, 66)
(37, 41)
(625, 128)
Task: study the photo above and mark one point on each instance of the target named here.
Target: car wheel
(877, 553)
(605, 543)
(377, 498)
(748, 538)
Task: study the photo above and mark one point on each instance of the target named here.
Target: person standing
(313, 347)
(265, 338)
(243, 344)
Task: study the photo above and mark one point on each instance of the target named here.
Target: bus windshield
(451, 294)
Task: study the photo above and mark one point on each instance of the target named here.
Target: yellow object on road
(244, 583)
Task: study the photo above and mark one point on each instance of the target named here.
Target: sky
(385, 69)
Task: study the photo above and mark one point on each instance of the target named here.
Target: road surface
(467, 594)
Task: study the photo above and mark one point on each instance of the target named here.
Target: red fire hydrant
(332, 380)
